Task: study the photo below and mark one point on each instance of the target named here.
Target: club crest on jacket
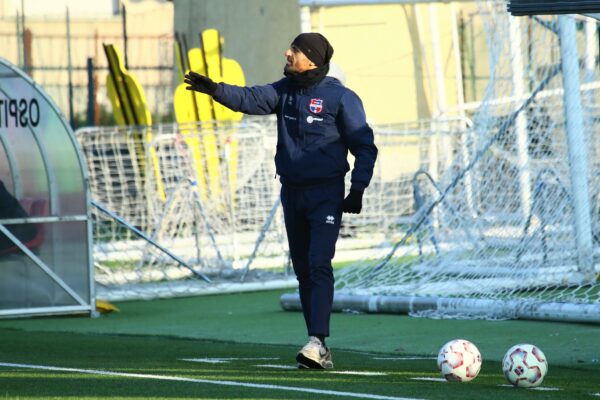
(316, 105)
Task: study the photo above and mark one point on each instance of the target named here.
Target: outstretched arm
(200, 83)
(256, 100)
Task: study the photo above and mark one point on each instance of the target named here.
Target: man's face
(296, 61)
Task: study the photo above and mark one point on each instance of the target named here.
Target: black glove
(200, 83)
(353, 202)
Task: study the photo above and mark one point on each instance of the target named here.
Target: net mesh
(224, 219)
(204, 192)
(500, 223)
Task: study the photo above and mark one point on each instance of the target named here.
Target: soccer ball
(459, 360)
(525, 365)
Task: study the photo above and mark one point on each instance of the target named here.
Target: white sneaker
(314, 355)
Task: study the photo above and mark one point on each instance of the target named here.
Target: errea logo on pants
(330, 219)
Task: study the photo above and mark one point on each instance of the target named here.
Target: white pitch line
(226, 359)
(429, 379)
(207, 381)
(360, 373)
(539, 388)
(596, 394)
(404, 358)
(276, 366)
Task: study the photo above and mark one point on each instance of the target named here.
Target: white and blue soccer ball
(459, 361)
(525, 365)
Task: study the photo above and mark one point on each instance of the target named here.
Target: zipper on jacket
(299, 112)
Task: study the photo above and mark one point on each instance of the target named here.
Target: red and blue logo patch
(316, 105)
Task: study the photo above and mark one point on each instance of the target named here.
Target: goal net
(181, 210)
(511, 227)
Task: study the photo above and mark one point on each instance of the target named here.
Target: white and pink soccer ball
(525, 365)
(459, 360)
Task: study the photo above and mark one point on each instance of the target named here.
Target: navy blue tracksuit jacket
(316, 127)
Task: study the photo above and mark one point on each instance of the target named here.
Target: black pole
(91, 103)
(70, 72)
(188, 66)
(19, 41)
(112, 65)
(219, 39)
(125, 36)
(203, 52)
(23, 31)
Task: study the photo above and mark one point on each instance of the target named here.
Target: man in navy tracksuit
(318, 121)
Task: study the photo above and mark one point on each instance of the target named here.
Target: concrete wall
(387, 53)
(256, 32)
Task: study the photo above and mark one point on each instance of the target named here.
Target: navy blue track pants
(312, 220)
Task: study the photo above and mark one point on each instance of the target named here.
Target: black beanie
(315, 47)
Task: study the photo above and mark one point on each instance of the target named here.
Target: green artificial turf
(258, 318)
(163, 356)
(150, 337)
